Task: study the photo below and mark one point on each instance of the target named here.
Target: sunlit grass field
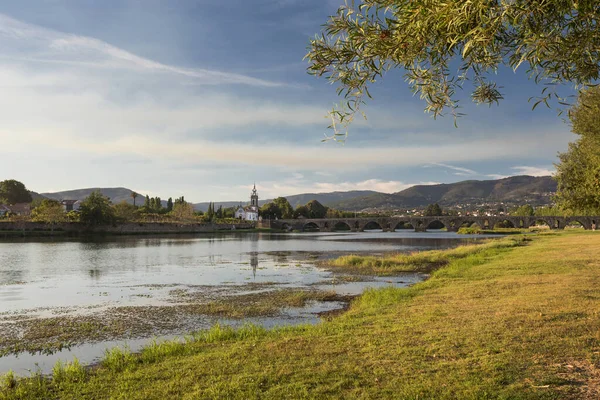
(509, 319)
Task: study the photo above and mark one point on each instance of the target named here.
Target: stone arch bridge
(451, 223)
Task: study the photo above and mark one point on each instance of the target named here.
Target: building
(249, 213)
(4, 210)
(22, 209)
(70, 205)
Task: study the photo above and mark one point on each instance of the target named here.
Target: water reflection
(254, 263)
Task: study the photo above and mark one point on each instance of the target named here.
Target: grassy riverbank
(420, 261)
(501, 321)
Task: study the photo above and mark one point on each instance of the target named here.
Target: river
(62, 280)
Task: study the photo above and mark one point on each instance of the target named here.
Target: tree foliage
(210, 213)
(96, 210)
(270, 211)
(433, 210)
(316, 209)
(285, 207)
(134, 196)
(578, 173)
(49, 211)
(301, 211)
(183, 211)
(125, 212)
(523, 211)
(443, 44)
(13, 192)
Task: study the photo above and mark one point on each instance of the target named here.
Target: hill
(512, 190)
(298, 199)
(116, 195)
(515, 189)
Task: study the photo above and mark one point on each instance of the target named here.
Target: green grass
(423, 261)
(496, 321)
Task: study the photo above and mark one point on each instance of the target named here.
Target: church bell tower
(254, 197)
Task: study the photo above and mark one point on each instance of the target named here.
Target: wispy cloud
(533, 171)
(460, 171)
(37, 44)
(298, 158)
(497, 176)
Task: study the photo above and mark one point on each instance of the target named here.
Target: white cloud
(36, 44)
(460, 171)
(533, 171)
(497, 176)
(310, 158)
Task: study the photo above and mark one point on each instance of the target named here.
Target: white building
(70, 205)
(249, 213)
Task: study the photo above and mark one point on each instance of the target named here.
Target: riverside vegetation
(517, 317)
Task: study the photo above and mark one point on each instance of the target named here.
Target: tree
(96, 210)
(13, 192)
(556, 40)
(134, 196)
(270, 211)
(183, 211)
(523, 211)
(229, 212)
(124, 212)
(210, 213)
(147, 203)
(170, 205)
(433, 210)
(50, 212)
(551, 212)
(578, 173)
(301, 211)
(316, 209)
(285, 207)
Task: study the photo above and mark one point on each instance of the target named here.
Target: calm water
(50, 277)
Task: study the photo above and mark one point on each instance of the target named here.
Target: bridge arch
(574, 223)
(340, 226)
(403, 225)
(537, 221)
(581, 221)
(504, 223)
(372, 225)
(519, 223)
(310, 227)
(435, 224)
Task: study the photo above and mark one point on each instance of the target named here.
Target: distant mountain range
(116, 195)
(300, 199)
(515, 189)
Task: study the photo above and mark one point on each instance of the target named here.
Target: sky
(203, 98)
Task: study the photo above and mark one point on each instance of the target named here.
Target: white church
(249, 213)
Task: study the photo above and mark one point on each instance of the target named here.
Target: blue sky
(199, 99)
